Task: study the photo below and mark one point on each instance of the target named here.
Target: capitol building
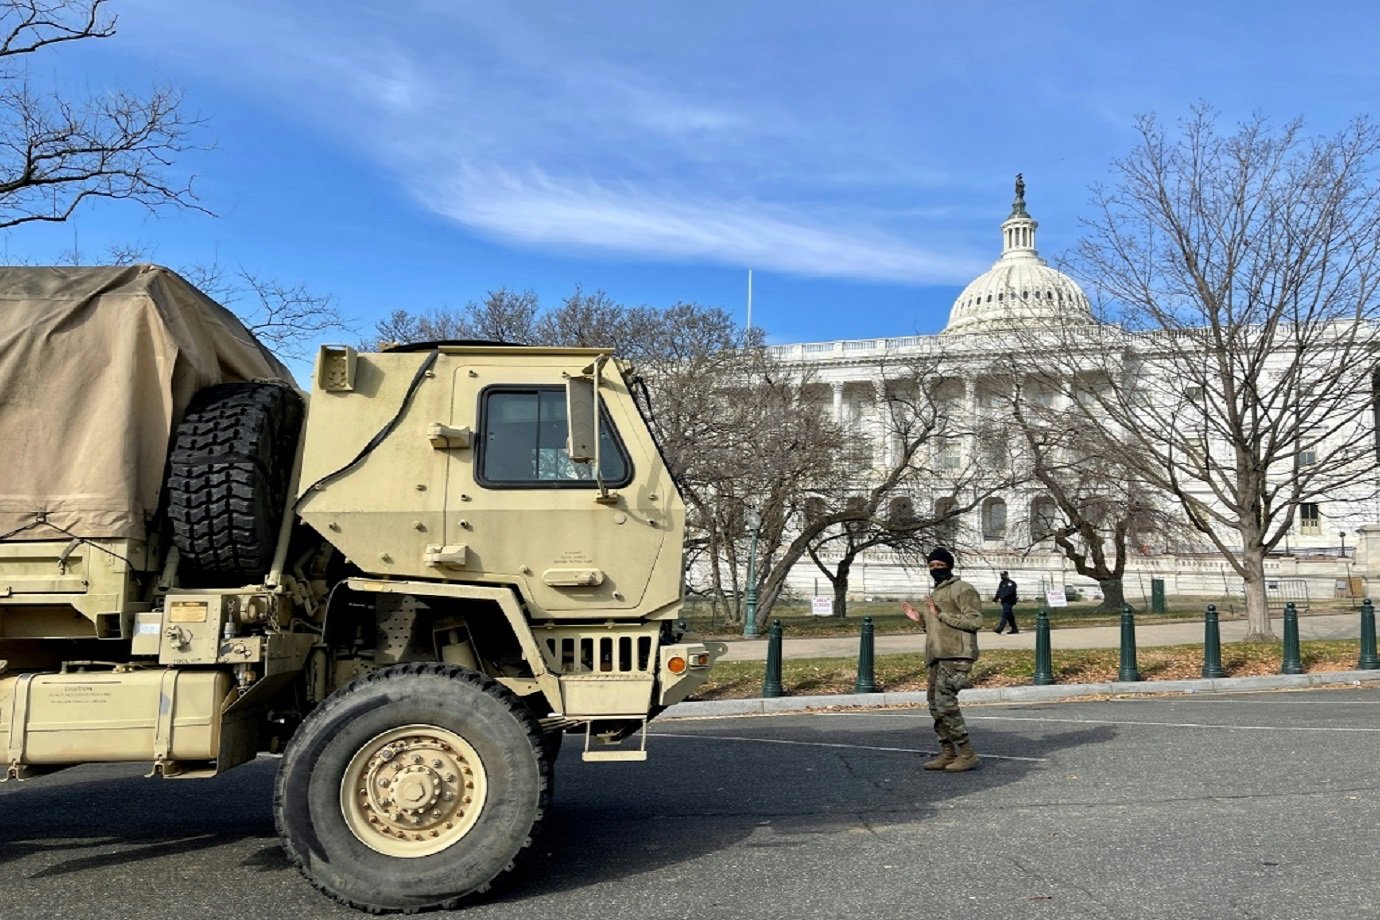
(1332, 549)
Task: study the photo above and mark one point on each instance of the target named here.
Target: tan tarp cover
(96, 367)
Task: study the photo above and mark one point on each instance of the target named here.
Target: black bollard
(771, 682)
(866, 682)
(1292, 663)
(1044, 666)
(1368, 661)
(1128, 671)
(1212, 644)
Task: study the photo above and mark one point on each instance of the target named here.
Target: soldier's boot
(967, 759)
(947, 753)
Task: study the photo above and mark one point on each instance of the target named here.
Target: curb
(1023, 694)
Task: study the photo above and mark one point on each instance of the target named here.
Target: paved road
(1321, 626)
(1257, 806)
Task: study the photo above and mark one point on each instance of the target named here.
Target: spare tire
(228, 479)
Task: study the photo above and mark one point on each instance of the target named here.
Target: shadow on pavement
(127, 818)
(756, 782)
(764, 782)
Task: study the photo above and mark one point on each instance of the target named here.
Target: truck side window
(523, 442)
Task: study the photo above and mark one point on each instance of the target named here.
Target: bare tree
(727, 422)
(899, 480)
(1092, 506)
(1244, 267)
(588, 321)
(57, 152)
(289, 318)
(835, 551)
(402, 326)
(502, 316)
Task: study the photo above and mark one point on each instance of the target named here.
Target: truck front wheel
(412, 787)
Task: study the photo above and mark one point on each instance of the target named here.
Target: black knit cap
(940, 554)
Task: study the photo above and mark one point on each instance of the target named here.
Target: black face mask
(940, 575)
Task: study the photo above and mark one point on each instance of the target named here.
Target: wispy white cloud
(533, 207)
(631, 168)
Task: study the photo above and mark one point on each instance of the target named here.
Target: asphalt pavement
(1261, 806)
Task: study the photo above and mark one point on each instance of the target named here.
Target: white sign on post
(1056, 597)
(821, 605)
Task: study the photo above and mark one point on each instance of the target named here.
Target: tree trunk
(1257, 604)
(767, 597)
(840, 582)
(1113, 594)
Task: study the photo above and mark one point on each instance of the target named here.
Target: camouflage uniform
(950, 650)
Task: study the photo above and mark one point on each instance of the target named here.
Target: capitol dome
(1019, 291)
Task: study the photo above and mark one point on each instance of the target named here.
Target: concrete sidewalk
(1187, 632)
(1027, 694)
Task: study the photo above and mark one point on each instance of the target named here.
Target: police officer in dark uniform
(1006, 596)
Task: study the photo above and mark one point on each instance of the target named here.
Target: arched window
(1043, 517)
(994, 519)
(901, 511)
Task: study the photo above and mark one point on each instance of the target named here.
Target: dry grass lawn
(1005, 668)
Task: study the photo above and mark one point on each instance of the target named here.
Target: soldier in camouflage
(951, 620)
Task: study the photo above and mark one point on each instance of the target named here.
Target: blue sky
(858, 157)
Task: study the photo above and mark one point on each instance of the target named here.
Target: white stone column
(968, 450)
(838, 401)
(883, 421)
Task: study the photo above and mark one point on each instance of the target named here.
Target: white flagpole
(749, 320)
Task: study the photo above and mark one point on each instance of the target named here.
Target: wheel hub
(413, 791)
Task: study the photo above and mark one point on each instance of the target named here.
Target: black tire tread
(481, 682)
(228, 477)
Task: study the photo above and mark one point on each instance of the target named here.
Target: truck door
(527, 513)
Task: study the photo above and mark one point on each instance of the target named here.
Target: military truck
(410, 584)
